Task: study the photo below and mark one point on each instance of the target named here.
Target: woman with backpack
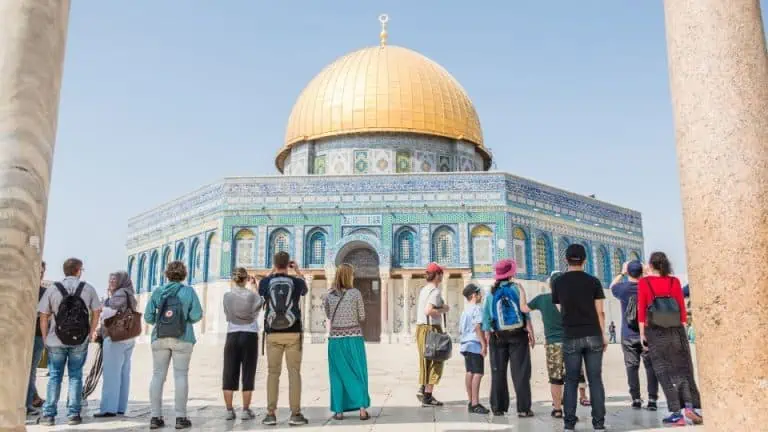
(116, 354)
(661, 315)
(509, 333)
(173, 308)
(347, 363)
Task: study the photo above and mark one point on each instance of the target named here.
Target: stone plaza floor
(393, 376)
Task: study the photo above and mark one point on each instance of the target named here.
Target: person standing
(347, 362)
(67, 306)
(430, 308)
(282, 294)
(241, 350)
(116, 356)
(662, 330)
(612, 332)
(172, 309)
(580, 296)
(509, 333)
(630, 338)
(33, 399)
(474, 347)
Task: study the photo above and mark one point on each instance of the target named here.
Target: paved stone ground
(393, 375)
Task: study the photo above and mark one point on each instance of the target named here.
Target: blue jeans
(73, 357)
(37, 354)
(116, 376)
(590, 351)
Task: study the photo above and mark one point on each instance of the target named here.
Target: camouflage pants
(556, 365)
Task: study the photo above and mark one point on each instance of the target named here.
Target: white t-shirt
(429, 294)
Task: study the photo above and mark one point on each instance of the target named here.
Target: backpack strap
(62, 290)
(79, 289)
(429, 318)
(650, 287)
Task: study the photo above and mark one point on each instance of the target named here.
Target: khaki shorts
(556, 365)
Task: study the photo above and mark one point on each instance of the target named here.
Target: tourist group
(496, 324)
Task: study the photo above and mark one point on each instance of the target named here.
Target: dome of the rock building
(383, 89)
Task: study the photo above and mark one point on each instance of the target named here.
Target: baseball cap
(470, 289)
(575, 252)
(635, 268)
(434, 267)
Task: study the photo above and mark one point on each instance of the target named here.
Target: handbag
(124, 325)
(438, 346)
(663, 311)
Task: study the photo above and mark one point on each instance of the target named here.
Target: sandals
(338, 416)
(524, 414)
(557, 413)
(585, 402)
(364, 417)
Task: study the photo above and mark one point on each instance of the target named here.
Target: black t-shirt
(299, 290)
(576, 292)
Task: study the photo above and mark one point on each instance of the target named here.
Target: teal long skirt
(348, 370)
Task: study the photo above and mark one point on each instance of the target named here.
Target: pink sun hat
(505, 269)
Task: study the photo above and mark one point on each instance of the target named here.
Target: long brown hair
(345, 277)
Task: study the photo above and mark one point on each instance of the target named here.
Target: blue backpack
(505, 310)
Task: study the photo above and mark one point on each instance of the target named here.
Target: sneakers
(74, 420)
(47, 421)
(637, 404)
(183, 423)
(693, 416)
(499, 413)
(479, 409)
(652, 406)
(269, 420)
(420, 394)
(230, 415)
(156, 423)
(33, 411)
(674, 419)
(297, 420)
(104, 415)
(248, 414)
(430, 401)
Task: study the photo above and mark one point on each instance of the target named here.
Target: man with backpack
(626, 292)
(580, 298)
(73, 307)
(173, 309)
(283, 327)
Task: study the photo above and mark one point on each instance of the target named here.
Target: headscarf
(123, 293)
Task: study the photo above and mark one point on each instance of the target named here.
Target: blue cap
(635, 269)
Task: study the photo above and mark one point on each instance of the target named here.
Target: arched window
(131, 269)
(245, 246)
(520, 250)
(316, 248)
(142, 274)
(153, 271)
(562, 245)
(212, 253)
(543, 255)
(166, 260)
(280, 242)
(634, 256)
(180, 252)
(405, 246)
(196, 264)
(442, 246)
(482, 246)
(588, 267)
(618, 259)
(603, 265)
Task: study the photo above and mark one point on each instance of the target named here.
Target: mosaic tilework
(320, 167)
(403, 162)
(361, 163)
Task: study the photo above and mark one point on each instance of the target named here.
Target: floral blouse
(350, 313)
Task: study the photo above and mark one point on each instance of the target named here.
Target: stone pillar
(385, 288)
(308, 307)
(32, 40)
(407, 307)
(719, 86)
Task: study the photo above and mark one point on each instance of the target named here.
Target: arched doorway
(366, 264)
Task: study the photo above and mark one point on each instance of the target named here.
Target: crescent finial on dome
(383, 19)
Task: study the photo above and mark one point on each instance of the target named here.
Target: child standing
(473, 347)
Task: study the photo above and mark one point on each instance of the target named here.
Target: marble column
(32, 41)
(307, 309)
(407, 307)
(385, 288)
(719, 85)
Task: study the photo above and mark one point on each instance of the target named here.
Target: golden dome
(383, 89)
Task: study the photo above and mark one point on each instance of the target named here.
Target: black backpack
(280, 315)
(72, 320)
(630, 315)
(171, 322)
(663, 311)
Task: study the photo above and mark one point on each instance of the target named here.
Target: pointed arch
(521, 250)
(603, 265)
(245, 248)
(562, 245)
(181, 251)
(279, 241)
(482, 248)
(405, 247)
(212, 257)
(141, 276)
(195, 261)
(589, 266)
(315, 245)
(131, 263)
(635, 256)
(618, 259)
(153, 271)
(167, 258)
(544, 255)
(443, 245)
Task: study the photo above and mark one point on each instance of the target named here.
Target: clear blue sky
(161, 97)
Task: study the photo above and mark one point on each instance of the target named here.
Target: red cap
(435, 268)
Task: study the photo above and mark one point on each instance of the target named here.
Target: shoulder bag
(333, 315)
(124, 325)
(438, 346)
(663, 311)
